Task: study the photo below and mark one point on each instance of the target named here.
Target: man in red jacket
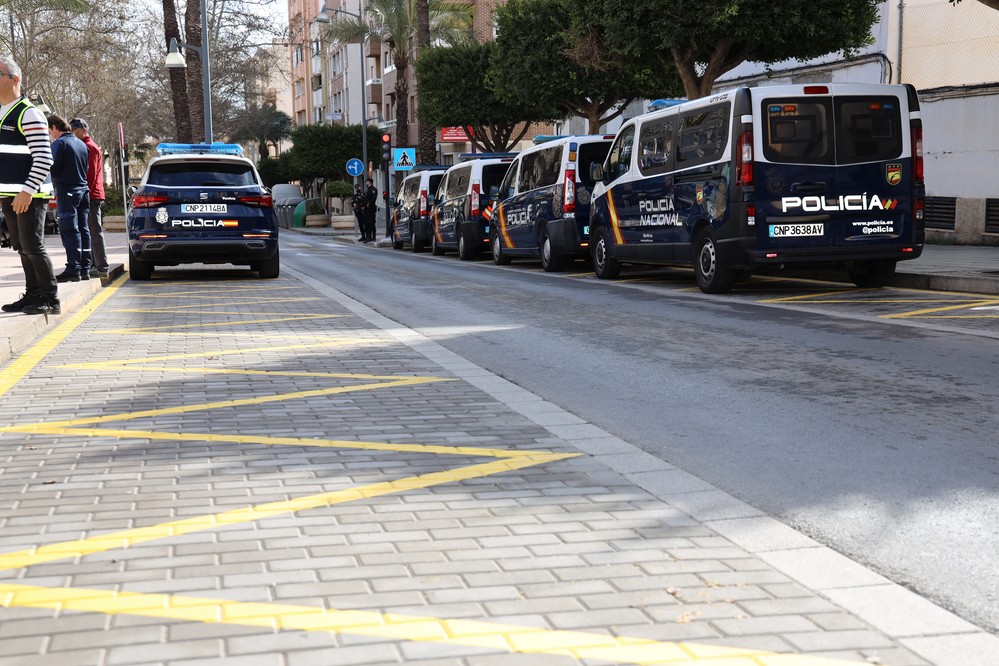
(95, 179)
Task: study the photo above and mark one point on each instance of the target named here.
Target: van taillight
(917, 209)
(744, 160)
(475, 200)
(751, 215)
(917, 154)
(569, 192)
(423, 203)
(148, 200)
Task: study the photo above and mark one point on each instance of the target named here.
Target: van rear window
(840, 130)
(590, 153)
(868, 129)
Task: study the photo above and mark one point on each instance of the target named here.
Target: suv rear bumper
(236, 250)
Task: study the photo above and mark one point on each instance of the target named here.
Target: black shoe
(45, 306)
(85, 274)
(99, 273)
(19, 304)
(67, 276)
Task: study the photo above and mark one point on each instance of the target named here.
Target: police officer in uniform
(357, 203)
(370, 210)
(25, 161)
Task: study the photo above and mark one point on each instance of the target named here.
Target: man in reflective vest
(25, 160)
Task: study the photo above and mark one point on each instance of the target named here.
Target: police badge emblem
(893, 173)
(162, 217)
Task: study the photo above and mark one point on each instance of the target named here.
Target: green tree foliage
(702, 40)
(395, 23)
(274, 170)
(455, 92)
(552, 54)
(264, 124)
(320, 152)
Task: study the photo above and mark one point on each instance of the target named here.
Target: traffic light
(387, 148)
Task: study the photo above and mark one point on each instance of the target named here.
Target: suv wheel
(269, 268)
(139, 269)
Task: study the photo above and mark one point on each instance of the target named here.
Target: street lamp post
(323, 17)
(176, 59)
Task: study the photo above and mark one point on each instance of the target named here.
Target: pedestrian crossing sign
(404, 159)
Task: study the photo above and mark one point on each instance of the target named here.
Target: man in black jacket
(370, 210)
(69, 178)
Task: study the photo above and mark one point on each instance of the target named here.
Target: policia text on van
(786, 175)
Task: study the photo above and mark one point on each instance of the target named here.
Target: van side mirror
(494, 191)
(596, 171)
(132, 189)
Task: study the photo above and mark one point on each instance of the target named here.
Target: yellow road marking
(134, 537)
(148, 329)
(802, 297)
(24, 363)
(246, 350)
(395, 626)
(948, 308)
(184, 409)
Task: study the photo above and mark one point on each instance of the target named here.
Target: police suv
(545, 201)
(201, 203)
(785, 175)
(462, 198)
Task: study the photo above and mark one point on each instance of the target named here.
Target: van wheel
(605, 266)
(551, 262)
(435, 249)
(712, 277)
(397, 243)
(874, 274)
(139, 269)
(466, 250)
(413, 244)
(269, 268)
(499, 258)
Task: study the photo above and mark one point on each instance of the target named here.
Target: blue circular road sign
(355, 167)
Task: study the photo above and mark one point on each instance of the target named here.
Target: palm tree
(395, 23)
(264, 124)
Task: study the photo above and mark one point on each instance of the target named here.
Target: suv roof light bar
(217, 148)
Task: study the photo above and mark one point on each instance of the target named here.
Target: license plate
(201, 208)
(789, 230)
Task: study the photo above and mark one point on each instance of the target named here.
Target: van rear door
(834, 168)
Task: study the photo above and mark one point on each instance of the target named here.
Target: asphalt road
(876, 437)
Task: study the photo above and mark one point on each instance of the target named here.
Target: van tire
(712, 277)
(605, 266)
(414, 244)
(551, 262)
(398, 244)
(499, 258)
(139, 269)
(435, 249)
(466, 250)
(874, 274)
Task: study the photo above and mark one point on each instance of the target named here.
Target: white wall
(961, 146)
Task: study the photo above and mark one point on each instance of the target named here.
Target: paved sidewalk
(274, 473)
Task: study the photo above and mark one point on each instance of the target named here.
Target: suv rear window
(800, 130)
(201, 174)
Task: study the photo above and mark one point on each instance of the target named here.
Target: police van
(545, 207)
(785, 175)
(411, 221)
(458, 222)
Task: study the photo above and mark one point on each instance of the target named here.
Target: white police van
(786, 175)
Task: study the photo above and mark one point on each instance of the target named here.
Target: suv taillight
(744, 160)
(423, 203)
(148, 200)
(474, 212)
(258, 200)
(569, 192)
(917, 154)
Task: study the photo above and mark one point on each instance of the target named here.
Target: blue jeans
(72, 209)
